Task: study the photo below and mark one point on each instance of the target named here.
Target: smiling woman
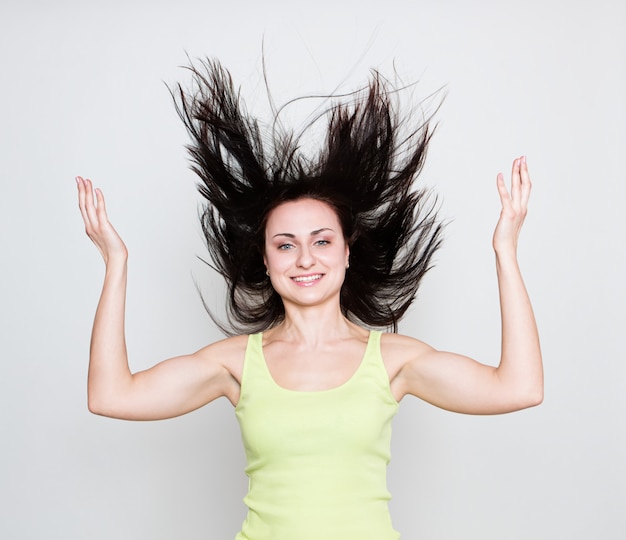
(312, 255)
(316, 253)
(365, 171)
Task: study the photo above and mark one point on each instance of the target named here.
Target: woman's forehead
(302, 216)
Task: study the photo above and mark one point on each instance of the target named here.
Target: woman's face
(306, 254)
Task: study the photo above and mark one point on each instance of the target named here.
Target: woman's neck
(314, 325)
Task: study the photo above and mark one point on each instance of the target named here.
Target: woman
(314, 251)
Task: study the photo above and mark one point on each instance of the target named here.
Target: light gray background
(82, 93)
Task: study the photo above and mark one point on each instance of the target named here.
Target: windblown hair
(366, 172)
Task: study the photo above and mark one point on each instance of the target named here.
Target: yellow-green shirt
(316, 461)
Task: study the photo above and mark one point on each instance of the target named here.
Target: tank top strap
(373, 367)
(372, 356)
(254, 370)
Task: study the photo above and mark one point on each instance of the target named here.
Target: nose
(305, 258)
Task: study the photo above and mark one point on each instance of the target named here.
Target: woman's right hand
(97, 224)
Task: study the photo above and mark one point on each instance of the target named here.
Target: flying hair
(366, 171)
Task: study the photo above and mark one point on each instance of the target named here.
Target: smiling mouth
(307, 279)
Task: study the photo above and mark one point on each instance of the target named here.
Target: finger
(525, 182)
(101, 206)
(90, 206)
(80, 183)
(516, 185)
(505, 198)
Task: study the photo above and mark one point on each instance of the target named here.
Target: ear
(347, 255)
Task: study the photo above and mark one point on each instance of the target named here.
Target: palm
(514, 206)
(97, 224)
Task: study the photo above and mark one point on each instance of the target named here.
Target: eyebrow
(313, 233)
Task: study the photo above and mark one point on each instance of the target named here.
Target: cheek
(275, 261)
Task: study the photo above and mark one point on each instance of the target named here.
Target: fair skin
(315, 347)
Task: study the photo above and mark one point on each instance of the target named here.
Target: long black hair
(366, 171)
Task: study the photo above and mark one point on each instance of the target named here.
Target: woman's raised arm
(461, 384)
(171, 388)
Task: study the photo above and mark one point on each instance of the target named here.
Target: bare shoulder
(226, 346)
(398, 353)
(229, 353)
(397, 348)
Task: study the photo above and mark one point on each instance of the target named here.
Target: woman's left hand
(514, 207)
(458, 383)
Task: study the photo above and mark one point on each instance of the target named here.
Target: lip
(307, 280)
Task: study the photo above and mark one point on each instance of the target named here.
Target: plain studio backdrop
(83, 93)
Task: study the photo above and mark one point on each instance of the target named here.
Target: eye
(322, 242)
(285, 247)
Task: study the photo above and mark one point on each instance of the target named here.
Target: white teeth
(307, 278)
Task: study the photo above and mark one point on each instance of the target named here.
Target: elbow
(536, 399)
(523, 397)
(100, 405)
(111, 405)
(536, 393)
(525, 391)
(532, 398)
(94, 402)
(104, 399)
(94, 406)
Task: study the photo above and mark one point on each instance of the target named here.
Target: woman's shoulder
(228, 352)
(401, 348)
(399, 352)
(227, 344)
(394, 338)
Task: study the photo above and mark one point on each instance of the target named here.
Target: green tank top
(316, 461)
